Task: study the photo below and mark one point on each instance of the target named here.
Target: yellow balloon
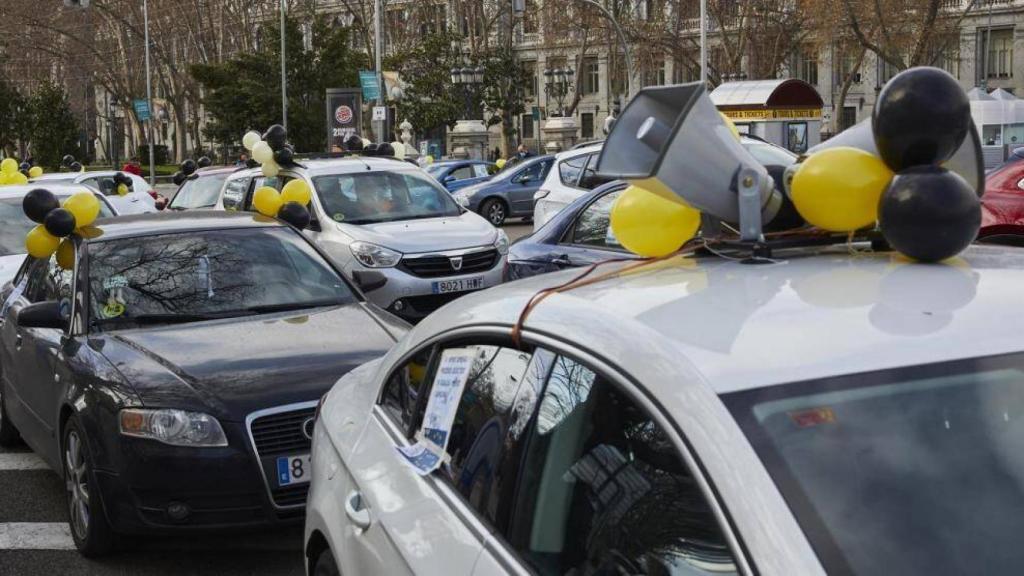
(40, 243)
(5, 178)
(267, 201)
(35, 172)
(651, 226)
(84, 206)
(122, 190)
(732, 126)
(429, 159)
(838, 189)
(66, 254)
(262, 152)
(9, 165)
(17, 178)
(296, 191)
(500, 163)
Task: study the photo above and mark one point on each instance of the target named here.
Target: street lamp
(468, 81)
(557, 85)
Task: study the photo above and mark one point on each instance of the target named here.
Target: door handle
(356, 510)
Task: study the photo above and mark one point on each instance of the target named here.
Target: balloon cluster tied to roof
(56, 223)
(272, 151)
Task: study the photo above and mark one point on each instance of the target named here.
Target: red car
(1002, 204)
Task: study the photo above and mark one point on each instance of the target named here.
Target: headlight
(174, 427)
(373, 256)
(462, 198)
(501, 242)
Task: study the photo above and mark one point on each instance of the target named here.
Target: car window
(569, 170)
(372, 197)
(604, 491)
(534, 172)
(48, 282)
(480, 170)
(209, 274)
(404, 387)
(590, 179)
(461, 173)
(14, 225)
(201, 192)
(234, 193)
(593, 226)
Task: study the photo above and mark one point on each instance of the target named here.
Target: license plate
(293, 470)
(460, 285)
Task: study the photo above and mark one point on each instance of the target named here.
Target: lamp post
(468, 81)
(112, 105)
(149, 96)
(557, 85)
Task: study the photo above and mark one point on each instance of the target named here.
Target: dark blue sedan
(509, 194)
(457, 174)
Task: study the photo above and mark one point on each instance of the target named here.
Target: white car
(391, 228)
(140, 200)
(574, 174)
(14, 225)
(828, 412)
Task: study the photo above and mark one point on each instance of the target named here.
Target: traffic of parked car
(140, 199)
(508, 194)
(457, 174)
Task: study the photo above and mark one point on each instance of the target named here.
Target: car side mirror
(449, 179)
(41, 315)
(369, 281)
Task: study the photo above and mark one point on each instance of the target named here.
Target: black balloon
(285, 156)
(385, 149)
(178, 178)
(24, 166)
(38, 203)
(354, 143)
(121, 178)
(294, 214)
(67, 160)
(188, 167)
(204, 161)
(276, 136)
(922, 117)
(929, 213)
(370, 149)
(76, 166)
(60, 222)
(250, 163)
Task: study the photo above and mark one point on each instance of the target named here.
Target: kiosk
(783, 112)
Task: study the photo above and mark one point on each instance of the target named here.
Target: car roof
(216, 170)
(459, 162)
(58, 187)
(574, 152)
(155, 223)
(812, 314)
(323, 166)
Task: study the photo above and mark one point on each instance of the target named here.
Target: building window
(654, 75)
(527, 121)
(849, 117)
(949, 60)
(886, 71)
(587, 125)
(999, 63)
(807, 65)
(530, 68)
(683, 71)
(846, 55)
(590, 75)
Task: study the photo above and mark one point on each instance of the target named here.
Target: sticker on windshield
(117, 281)
(114, 307)
(338, 217)
(812, 417)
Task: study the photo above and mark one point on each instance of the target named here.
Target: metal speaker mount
(672, 141)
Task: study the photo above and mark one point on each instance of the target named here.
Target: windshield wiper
(286, 306)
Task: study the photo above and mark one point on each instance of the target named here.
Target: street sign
(368, 80)
(141, 109)
(380, 113)
(536, 113)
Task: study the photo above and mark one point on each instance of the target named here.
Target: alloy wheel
(77, 484)
(496, 213)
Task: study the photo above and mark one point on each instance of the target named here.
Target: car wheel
(90, 529)
(495, 212)
(325, 565)
(8, 433)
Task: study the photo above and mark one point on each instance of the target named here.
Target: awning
(768, 99)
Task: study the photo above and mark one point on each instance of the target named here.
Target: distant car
(140, 200)
(457, 174)
(14, 225)
(1002, 204)
(172, 377)
(203, 190)
(509, 193)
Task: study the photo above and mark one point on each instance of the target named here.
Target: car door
(589, 238)
(437, 524)
(459, 177)
(525, 183)
(602, 488)
(35, 372)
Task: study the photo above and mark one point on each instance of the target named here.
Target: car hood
(428, 235)
(9, 266)
(230, 368)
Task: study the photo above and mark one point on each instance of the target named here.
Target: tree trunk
(837, 114)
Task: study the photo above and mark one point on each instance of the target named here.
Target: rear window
(917, 470)
(569, 170)
(14, 225)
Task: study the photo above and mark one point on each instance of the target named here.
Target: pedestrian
(523, 152)
(496, 154)
(133, 166)
(243, 159)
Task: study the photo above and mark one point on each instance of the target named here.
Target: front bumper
(412, 297)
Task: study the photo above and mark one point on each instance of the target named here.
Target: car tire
(494, 211)
(325, 565)
(9, 435)
(87, 521)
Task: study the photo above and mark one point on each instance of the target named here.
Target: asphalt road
(34, 537)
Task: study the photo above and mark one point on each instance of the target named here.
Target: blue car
(457, 174)
(581, 234)
(508, 194)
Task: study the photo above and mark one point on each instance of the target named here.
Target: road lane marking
(35, 536)
(21, 461)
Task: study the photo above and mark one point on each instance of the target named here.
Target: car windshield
(371, 197)
(769, 155)
(910, 471)
(201, 192)
(205, 275)
(14, 225)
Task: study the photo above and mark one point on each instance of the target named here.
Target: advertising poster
(344, 116)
